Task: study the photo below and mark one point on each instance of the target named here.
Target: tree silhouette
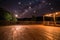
(6, 15)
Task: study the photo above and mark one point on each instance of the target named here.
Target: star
(26, 10)
(34, 11)
(43, 1)
(29, 7)
(15, 11)
(30, 3)
(19, 3)
(49, 3)
(51, 8)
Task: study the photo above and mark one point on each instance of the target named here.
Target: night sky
(27, 8)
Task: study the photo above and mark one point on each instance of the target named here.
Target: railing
(20, 22)
(52, 23)
(29, 22)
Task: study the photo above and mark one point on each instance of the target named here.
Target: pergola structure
(53, 15)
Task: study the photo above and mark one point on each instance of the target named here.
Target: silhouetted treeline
(39, 19)
(31, 19)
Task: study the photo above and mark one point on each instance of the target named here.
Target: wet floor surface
(29, 32)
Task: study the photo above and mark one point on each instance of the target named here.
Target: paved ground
(29, 32)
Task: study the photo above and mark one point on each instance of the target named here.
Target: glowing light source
(56, 13)
(48, 15)
(16, 15)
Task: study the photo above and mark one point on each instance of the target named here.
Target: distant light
(16, 15)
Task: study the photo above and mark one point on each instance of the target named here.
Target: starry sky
(27, 8)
